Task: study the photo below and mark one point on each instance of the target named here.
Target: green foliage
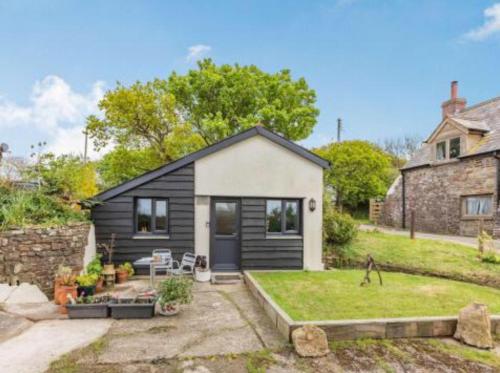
(360, 171)
(491, 257)
(22, 208)
(175, 290)
(143, 116)
(127, 267)
(66, 176)
(219, 101)
(87, 279)
(338, 228)
(95, 266)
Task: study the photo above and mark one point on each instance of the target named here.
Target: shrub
(338, 228)
(95, 267)
(491, 257)
(87, 280)
(175, 290)
(21, 208)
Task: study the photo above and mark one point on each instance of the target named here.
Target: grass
(337, 295)
(425, 256)
(68, 363)
(467, 353)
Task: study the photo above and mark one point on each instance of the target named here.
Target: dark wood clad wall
(117, 216)
(257, 252)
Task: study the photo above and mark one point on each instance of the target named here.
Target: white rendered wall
(257, 167)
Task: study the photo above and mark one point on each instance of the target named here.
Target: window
(282, 216)
(226, 219)
(441, 150)
(151, 215)
(454, 147)
(477, 205)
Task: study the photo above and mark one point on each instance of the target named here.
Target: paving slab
(5, 291)
(11, 325)
(34, 350)
(35, 311)
(26, 293)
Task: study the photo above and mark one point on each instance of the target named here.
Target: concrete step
(226, 278)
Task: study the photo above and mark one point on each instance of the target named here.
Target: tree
(401, 148)
(360, 171)
(66, 176)
(219, 101)
(144, 115)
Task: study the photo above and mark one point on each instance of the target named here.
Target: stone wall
(436, 195)
(33, 254)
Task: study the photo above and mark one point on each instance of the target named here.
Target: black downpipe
(404, 199)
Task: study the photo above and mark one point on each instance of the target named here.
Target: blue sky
(384, 66)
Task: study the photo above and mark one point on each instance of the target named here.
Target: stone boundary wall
(338, 330)
(33, 254)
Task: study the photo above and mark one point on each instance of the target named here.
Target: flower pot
(57, 286)
(86, 290)
(133, 308)
(62, 296)
(121, 276)
(88, 311)
(168, 309)
(99, 287)
(202, 275)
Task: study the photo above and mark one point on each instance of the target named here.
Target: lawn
(337, 295)
(425, 256)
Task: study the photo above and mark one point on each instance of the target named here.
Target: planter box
(88, 311)
(142, 309)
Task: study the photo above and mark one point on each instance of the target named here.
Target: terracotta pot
(57, 286)
(62, 296)
(99, 287)
(121, 276)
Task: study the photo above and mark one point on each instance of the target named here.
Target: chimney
(455, 104)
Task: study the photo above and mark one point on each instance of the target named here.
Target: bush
(21, 208)
(338, 228)
(175, 290)
(491, 257)
(95, 266)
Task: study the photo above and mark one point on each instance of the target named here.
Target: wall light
(312, 204)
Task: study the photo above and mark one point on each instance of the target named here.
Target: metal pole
(339, 128)
(412, 224)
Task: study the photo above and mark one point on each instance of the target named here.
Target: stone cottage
(452, 183)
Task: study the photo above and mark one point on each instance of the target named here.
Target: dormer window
(441, 151)
(454, 147)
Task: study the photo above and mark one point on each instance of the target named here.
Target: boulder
(310, 341)
(474, 326)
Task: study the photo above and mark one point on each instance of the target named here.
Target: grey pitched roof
(254, 131)
(484, 117)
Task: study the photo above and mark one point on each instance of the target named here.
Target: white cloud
(57, 110)
(491, 24)
(195, 52)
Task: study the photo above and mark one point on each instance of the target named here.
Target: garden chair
(186, 266)
(164, 263)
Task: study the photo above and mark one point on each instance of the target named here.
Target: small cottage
(251, 201)
(452, 183)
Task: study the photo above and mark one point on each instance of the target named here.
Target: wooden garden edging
(407, 327)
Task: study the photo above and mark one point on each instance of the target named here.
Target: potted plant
(201, 271)
(123, 272)
(62, 271)
(94, 267)
(86, 284)
(67, 289)
(141, 307)
(88, 307)
(173, 292)
(108, 272)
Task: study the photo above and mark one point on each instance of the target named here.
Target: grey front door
(225, 250)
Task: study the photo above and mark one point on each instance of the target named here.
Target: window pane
(292, 216)
(225, 218)
(273, 216)
(480, 205)
(161, 216)
(455, 147)
(144, 215)
(441, 151)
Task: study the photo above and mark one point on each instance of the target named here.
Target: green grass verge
(337, 295)
(425, 256)
(467, 353)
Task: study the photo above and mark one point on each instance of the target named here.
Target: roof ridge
(479, 105)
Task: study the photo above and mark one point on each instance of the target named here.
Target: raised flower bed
(89, 308)
(133, 308)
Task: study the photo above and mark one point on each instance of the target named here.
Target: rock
(26, 293)
(474, 326)
(310, 341)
